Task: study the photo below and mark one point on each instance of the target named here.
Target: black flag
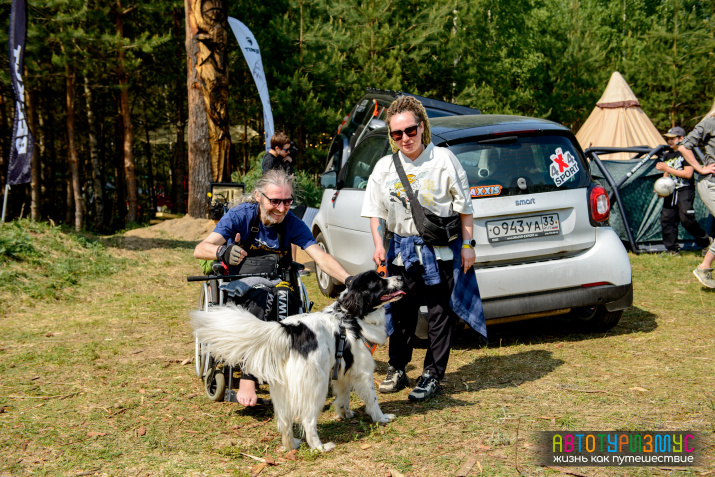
(22, 146)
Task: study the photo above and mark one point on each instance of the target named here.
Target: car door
(349, 233)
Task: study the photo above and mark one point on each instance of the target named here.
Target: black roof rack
(427, 102)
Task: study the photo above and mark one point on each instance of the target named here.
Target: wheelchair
(218, 378)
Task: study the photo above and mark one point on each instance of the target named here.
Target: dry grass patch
(100, 383)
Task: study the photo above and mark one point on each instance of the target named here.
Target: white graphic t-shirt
(437, 179)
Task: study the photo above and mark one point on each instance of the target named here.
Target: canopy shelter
(618, 121)
(635, 209)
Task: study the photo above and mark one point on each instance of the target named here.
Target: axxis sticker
(484, 191)
(563, 166)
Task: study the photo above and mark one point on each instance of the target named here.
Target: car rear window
(513, 165)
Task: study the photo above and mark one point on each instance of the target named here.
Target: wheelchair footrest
(230, 396)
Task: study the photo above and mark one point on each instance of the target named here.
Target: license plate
(522, 228)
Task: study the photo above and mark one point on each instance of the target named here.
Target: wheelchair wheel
(215, 383)
(208, 296)
(200, 352)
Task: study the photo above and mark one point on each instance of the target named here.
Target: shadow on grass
(553, 329)
(143, 244)
(497, 372)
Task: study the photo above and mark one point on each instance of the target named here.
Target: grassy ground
(97, 379)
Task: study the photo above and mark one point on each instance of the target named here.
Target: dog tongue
(392, 295)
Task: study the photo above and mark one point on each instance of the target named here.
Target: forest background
(543, 58)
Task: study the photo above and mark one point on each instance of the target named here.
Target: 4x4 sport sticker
(485, 191)
(563, 167)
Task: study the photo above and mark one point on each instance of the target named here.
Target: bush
(306, 190)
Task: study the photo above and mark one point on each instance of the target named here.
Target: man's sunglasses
(277, 202)
(410, 131)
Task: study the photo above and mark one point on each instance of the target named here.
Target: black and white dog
(296, 356)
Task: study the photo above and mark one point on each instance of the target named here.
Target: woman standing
(703, 135)
(440, 184)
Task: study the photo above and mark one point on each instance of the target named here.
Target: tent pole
(617, 195)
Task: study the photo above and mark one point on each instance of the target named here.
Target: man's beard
(270, 220)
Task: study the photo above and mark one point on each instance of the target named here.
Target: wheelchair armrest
(298, 266)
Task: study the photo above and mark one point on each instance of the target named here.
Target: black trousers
(441, 318)
(678, 208)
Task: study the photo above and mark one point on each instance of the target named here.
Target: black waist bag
(265, 265)
(436, 230)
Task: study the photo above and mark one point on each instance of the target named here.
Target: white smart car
(543, 243)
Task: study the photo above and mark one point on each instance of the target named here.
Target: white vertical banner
(249, 47)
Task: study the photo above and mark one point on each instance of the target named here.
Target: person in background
(678, 207)
(703, 136)
(278, 156)
(273, 197)
(428, 272)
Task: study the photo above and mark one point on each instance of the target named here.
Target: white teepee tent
(618, 121)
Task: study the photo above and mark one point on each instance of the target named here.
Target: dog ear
(353, 302)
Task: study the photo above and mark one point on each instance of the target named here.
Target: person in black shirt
(678, 207)
(278, 156)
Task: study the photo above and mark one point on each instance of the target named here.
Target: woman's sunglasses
(410, 131)
(277, 202)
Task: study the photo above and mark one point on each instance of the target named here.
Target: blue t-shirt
(238, 220)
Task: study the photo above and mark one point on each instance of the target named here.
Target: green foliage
(544, 58)
(306, 190)
(40, 261)
(15, 242)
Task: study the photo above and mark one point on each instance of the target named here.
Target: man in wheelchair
(252, 234)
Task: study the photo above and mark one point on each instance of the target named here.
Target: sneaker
(705, 275)
(671, 253)
(427, 387)
(395, 380)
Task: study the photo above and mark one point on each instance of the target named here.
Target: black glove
(230, 255)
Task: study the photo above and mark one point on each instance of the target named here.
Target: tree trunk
(211, 36)
(129, 166)
(199, 148)
(72, 158)
(31, 110)
(69, 204)
(149, 166)
(120, 204)
(94, 157)
(179, 170)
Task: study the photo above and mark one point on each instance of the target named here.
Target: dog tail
(240, 339)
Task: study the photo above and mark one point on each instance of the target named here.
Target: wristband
(466, 245)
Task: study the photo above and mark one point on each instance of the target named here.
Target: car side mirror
(329, 180)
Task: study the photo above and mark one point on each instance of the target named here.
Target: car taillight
(599, 205)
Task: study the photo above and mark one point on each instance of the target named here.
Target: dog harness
(370, 345)
(339, 348)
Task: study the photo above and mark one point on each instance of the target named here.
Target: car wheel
(597, 318)
(328, 286)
